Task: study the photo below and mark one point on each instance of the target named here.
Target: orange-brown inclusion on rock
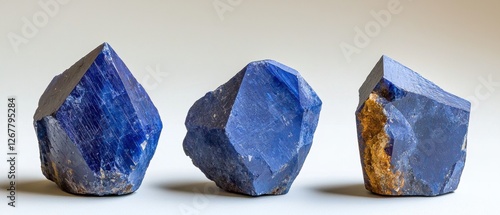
(377, 162)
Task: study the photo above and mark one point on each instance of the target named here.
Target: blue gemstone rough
(252, 134)
(97, 128)
(412, 135)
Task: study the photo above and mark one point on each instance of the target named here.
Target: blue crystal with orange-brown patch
(97, 127)
(412, 134)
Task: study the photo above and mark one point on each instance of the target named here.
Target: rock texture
(412, 134)
(97, 127)
(252, 134)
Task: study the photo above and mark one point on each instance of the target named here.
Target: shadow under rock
(355, 190)
(358, 190)
(39, 187)
(46, 187)
(204, 188)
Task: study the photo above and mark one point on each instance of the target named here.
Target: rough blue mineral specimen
(412, 134)
(252, 134)
(97, 127)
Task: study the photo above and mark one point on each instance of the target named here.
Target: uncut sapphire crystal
(252, 134)
(412, 135)
(97, 128)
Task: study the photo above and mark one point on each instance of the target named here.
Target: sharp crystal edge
(97, 128)
(412, 135)
(252, 134)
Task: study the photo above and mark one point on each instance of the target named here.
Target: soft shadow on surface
(204, 188)
(39, 187)
(358, 190)
(355, 190)
(49, 188)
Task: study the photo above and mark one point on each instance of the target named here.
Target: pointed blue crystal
(97, 127)
(252, 134)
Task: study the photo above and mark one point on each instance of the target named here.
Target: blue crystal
(252, 134)
(412, 135)
(97, 127)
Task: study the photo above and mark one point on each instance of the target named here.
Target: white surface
(452, 43)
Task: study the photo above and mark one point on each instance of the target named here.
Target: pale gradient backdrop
(181, 49)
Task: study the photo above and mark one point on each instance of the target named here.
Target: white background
(192, 49)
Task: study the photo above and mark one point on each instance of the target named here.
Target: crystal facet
(96, 126)
(252, 134)
(412, 135)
